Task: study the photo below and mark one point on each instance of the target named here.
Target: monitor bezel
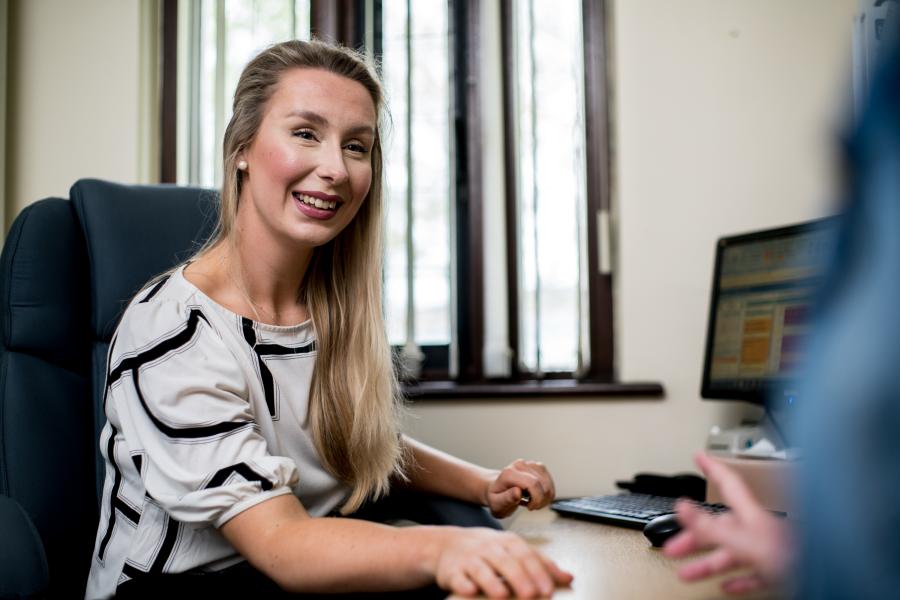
(762, 394)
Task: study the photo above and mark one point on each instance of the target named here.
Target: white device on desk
(749, 440)
(734, 439)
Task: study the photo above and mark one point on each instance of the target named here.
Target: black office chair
(67, 271)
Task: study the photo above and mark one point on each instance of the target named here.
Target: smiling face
(309, 166)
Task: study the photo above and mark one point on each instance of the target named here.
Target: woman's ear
(240, 160)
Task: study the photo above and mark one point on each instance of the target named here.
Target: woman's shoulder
(167, 306)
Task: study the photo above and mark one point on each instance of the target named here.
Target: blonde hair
(354, 406)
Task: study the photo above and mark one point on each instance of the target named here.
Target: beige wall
(74, 102)
(4, 43)
(725, 112)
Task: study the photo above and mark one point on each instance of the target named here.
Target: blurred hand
(497, 564)
(746, 536)
(505, 492)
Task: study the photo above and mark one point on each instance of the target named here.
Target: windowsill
(548, 388)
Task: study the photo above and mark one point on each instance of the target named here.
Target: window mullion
(534, 187)
(195, 68)
(168, 171)
(600, 312)
(412, 355)
(469, 224)
(511, 152)
(219, 88)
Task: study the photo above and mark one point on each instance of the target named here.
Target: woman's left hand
(522, 479)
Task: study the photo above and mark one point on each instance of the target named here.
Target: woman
(251, 390)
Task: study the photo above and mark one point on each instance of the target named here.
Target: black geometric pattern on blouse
(242, 469)
(134, 363)
(155, 289)
(172, 529)
(261, 350)
(116, 503)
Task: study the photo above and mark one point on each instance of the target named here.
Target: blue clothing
(849, 426)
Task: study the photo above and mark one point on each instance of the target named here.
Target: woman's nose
(331, 165)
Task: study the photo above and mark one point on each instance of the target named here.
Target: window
(218, 38)
(540, 320)
(497, 171)
(415, 57)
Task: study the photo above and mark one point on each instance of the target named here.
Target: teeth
(317, 202)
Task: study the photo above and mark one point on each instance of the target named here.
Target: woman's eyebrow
(317, 119)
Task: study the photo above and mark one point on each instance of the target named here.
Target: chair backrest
(67, 271)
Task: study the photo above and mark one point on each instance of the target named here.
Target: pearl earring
(242, 165)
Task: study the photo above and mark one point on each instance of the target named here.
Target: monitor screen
(764, 285)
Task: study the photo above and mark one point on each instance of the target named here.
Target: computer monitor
(764, 287)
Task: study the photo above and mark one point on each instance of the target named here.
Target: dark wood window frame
(343, 21)
(601, 368)
(600, 378)
(168, 95)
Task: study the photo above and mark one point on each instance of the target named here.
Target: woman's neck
(270, 274)
(259, 281)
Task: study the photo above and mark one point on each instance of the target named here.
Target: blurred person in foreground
(848, 541)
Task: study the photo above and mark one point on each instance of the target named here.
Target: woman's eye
(305, 134)
(357, 148)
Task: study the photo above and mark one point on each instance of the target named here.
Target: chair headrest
(43, 286)
(133, 233)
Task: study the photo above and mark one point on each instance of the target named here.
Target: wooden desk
(610, 562)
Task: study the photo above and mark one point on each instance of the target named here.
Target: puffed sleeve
(179, 397)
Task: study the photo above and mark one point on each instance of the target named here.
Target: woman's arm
(431, 470)
(305, 554)
(436, 472)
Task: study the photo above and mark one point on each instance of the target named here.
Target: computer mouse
(662, 528)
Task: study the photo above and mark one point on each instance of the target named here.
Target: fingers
(512, 570)
(487, 579)
(682, 544)
(743, 584)
(503, 566)
(536, 562)
(717, 561)
(526, 475)
(539, 469)
(733, 489)
(562, 578)
(700, 530)
(685, 542)
(462, 585)
(704, 531)
(528, 573)
(505, 503)
(500, 573)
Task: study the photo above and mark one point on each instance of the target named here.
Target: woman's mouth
(315, 207)
(316, 202)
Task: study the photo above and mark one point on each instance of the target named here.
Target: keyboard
(624, 510)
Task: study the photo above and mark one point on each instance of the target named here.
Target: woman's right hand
(495, 563)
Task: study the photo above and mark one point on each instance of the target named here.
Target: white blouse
(206, 417)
